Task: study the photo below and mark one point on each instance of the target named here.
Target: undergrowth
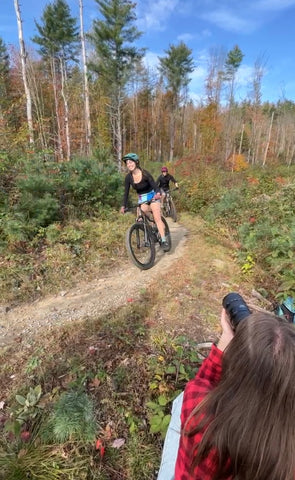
(116, 374)
(94, 401)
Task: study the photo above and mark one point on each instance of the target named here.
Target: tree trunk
(268, 140)
(38, 103)
(86, 85)
(241, 139)
(119, 135)
(66, 106)
(24, 72)
(54, 82)
(172, 134)
(291, 155)
(194, 137)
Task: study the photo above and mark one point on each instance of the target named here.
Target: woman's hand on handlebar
(157, 196)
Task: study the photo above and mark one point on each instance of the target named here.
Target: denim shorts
(146, 197)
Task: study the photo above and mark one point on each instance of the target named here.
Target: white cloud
(274, 5)
(244, 75)
(185, 37)
(206, 33)
(151, 60)
(196, 86)
(228, 20)
(154, 14)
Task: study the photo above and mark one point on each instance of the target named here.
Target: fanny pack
(146, 197)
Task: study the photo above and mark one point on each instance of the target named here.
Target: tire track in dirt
(90, 299)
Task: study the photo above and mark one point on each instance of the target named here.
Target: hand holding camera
(236, 308)
(234, 311)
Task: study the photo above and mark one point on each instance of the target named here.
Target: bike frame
(148, 221)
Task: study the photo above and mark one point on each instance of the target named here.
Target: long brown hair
(249, 416)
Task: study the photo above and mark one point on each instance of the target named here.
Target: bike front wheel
(166, 208)
(173, 213)
(140, 246)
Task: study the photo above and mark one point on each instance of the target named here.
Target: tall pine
(4, 76)
(175, 68)
(113, 37)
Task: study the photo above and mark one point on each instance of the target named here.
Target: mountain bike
(142, 238)
(169, 209)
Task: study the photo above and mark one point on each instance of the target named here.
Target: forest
(76, 92)
(91, 398)
(69, 110)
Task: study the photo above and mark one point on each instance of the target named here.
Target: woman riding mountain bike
(148, 193)
(163, 181)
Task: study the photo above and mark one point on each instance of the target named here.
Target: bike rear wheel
(167, 234)
(141, 246)
(173, 213)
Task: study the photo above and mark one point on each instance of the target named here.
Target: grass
(111, 360)
(119, 361)
(62, 256)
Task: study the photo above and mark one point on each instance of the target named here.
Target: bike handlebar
(172, 189)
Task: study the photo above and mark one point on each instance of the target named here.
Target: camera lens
(236, 308)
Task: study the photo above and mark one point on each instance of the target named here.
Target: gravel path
(98, 297)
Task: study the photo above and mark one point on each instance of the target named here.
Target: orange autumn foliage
(237, 162)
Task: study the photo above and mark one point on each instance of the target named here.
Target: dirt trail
(94, 298)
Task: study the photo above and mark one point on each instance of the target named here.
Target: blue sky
(261, 28)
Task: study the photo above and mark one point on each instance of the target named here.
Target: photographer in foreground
(237, 415)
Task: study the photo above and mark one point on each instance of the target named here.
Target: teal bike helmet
(131, 156)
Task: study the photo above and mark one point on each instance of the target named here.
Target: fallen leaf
(92, 350)
(99, 446)
(118, 443)
(108, 431)
(94, 383)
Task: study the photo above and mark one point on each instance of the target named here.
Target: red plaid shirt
(206, 378)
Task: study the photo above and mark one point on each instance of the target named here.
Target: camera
(236, 308)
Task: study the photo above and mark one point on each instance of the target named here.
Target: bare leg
(155, 208)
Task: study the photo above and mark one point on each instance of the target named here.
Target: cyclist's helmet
(164, 169)
(131, 156)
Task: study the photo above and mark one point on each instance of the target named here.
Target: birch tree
(23, 56)
(85, 83)
(215, 76)
(255, 97)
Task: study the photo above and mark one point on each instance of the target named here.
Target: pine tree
(113, 39)
(4, 76)
(175, 68)
(59, 39)
(232, 64)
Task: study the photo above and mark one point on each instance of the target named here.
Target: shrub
(40, 194)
